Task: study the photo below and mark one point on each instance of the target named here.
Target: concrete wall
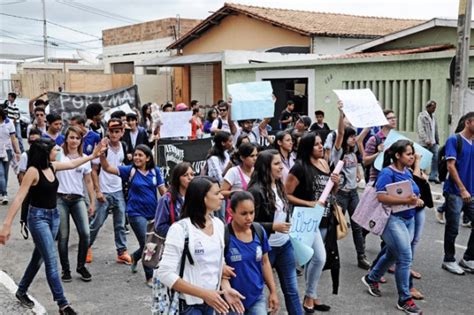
(154, 88)
(334, 45)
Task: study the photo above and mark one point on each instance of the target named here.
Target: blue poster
(252, 100)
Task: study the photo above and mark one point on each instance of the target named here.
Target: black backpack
(442, 163)
(219, 125)
(256, 227)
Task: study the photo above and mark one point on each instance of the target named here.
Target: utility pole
(45, 35)
(461, 67)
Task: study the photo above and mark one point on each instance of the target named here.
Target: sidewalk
(9, 304)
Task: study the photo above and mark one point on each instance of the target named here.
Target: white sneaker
(467, 265)
(452, 267)
(466, 224)
(440, 217)
(4, 200)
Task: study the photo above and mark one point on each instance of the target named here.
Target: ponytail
(387, 158)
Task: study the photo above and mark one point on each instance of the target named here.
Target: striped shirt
(13, 111)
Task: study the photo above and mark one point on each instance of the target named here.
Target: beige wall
(239, 32)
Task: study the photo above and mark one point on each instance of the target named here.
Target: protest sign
(125, 107)
(304, 226)
(252, 100)
(175, 124)
(171, 152)
(361, 108)
(392, 137)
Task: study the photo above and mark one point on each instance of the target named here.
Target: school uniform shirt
(247, 261)
(110, 183)
(89, 141)
(7, 129)
(216, 167)
(23, 164)
(464, 165)
(72, 181)
(234, 177)
(59, 139)
(31, 126)
(142, 195)
(278, 239)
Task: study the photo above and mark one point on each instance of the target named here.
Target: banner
(252, 100)
(71, 104)
(171, 152)
(175, 124)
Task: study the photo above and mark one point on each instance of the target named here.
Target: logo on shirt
(89, 148)
(235, 255)
(154, 180)
(198, 248)
(258, 256)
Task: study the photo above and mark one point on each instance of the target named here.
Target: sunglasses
(222, 110)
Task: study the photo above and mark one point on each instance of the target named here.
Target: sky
(88, 18)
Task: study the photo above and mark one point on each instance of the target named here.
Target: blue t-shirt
(89, 142)
(388, 176)
(59, 139)
(142, 198)
(464, 165)
(247, 259)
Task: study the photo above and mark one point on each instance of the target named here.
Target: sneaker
(440, 217)
(134, 266)
(372, 286)
(124, 258)
(363, 262)
(149, 283)
(67, 310)
(467, 265)
(89, 256)
(24, 300)
(453, 267)
(464, 224)
(66, 276)
(408, 307)
(5, 200)
(85, 274)
(416, 294)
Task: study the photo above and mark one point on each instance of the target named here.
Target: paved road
(115, 290)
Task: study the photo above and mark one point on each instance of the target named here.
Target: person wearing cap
(181, 107)
(134, 136)
(109, 194)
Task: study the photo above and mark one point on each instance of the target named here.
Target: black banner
(171, 152)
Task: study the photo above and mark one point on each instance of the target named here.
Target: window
(470, 83)
(123, 67)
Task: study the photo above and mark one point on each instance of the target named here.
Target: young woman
(200, 284)
(238, 177)
(180, 178)
(304, 186)
(196, 125)
(146, 119)
(71, 202)
(143, 178)
(211, 115)
(43, 216)
(284, 144)
(272, 212)
(252, 265)
(400, 226)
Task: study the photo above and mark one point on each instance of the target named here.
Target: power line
(96, 11)
(21, 17)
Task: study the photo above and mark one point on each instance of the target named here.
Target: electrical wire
(96, 11)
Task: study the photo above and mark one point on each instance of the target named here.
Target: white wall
(334, 45)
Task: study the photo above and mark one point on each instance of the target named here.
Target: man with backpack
(458, 191)
(223, 122)
(428, 137)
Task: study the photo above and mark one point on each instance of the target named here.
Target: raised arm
(61, 166)
(340, 127)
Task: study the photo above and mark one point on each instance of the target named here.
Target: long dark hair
(399, 147)
(209, 114)
(305, 152)
(38, 154)
(144, 114)
(262, 176)
(194, 206)
(218, 149)
(147, 151)
(348, 132)
(178, 171)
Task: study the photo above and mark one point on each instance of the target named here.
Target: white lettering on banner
(173, 154)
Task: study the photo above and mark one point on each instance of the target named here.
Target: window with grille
(470, 83)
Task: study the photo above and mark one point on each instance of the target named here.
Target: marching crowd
(215, 237)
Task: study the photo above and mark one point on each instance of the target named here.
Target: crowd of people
(225, 229)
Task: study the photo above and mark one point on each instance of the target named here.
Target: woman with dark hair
(238, 177)
(211, 115)
(174, 199)
(196, 124)
(304, 186)
(284, 144)
(272, 212)
(143, 178)
(146, 119)
(43, 216)
(242, 139)
(201, 281)
(71, 202)
(400, 227)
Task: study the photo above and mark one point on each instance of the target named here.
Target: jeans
(197, 309)
(115, 201)
(348, 200)
(4, 168)
(258, 308)
(18, 136)
(283, 260)
(454, 204)
(78, 211)
(44, 226)
(398, 235)
(419, 225)
(434, 161)
(138, 225)
(314, 268)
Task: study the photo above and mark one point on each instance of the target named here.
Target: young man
(253, 132)
(94, 115)
(35, 102)
(287, 117)
(459, 191)
(39, 121)
(55, 125)
(428, 136)
(109, 195)
(13, 113)
(90, 138)
(320, 126)
(134, 136)
(7, 141)
(168, 107)
(224, 121)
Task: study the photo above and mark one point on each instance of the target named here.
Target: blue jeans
(283, 260)
(454, 204)
(78, 211)
(44, 226)
(18, 136)
(4, 168)
(138, 225)
(197, 309)
(314, 268)
(115, 201)
(398, 235)
(348, 200)
(258, 308)
(434, 161)
(419, 225)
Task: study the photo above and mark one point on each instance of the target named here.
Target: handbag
(341, 229)
(155, 244)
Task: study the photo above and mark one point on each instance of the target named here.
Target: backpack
(442, 163)
(256, 227)
(367, 168)
(219, 124)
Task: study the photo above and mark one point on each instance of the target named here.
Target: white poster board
(125, 107)
(252, 100)
(175, 124)
(361, 108)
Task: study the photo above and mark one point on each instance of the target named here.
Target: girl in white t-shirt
(284, 144)
(71, 202)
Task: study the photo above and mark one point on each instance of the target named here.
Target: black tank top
(44, 194)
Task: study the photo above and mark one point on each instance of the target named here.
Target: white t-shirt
(72, 181)
(233, 178)
(278, 239)
(207, 252)
(31, 126)
(215, 167)
(133, 137)
(254, 135)
(7, 128)
(225, 124)
(110, 183)
(23, 165)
